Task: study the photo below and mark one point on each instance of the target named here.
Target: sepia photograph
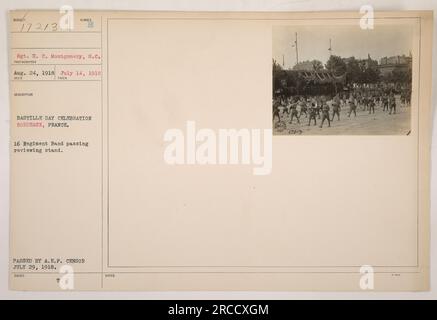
(342, 80)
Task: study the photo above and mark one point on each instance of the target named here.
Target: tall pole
(330, 47)
(283, 60)
(297, 50)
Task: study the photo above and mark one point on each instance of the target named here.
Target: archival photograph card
(267, 151)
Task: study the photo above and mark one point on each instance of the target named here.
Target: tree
(400, 75)
(317, 65)
(336, 65)
(371, 75)
(276, 66)
(353, 70)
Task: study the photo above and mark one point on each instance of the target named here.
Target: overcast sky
(313, 42)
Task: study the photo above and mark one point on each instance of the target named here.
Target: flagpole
(297, 50)
(330, 47)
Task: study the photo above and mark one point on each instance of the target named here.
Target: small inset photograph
(342, 80)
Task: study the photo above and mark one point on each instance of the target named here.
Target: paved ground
(364, 123)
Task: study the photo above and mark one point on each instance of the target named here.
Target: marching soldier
(336, 108)
(408, 98)
(285, 108)
(385, 102)
(318, 106)
(378, 99)
(325, 114)
(392, 103)
(276, 110)
(352, 108)
(303, 107)
(362, 102)
(312, 114)
(403, 99)
(371, 105)
(294, 113)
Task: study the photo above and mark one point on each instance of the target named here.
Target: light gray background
(194, 5)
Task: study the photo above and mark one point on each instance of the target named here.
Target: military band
(327, 108)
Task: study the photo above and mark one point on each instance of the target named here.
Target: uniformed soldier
(276, 110)
(283, 107)
(318, 105)
(325, 114)
(378, 99)
(403, 99)
(294, 113)
(361, 102)
(408, 98)
(352, 108)
(336, 108)
(312, 113)
(302, 107)
(385, 102)
(366, 101)
(371, 105)
(392, 103)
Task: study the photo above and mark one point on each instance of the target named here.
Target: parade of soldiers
(323, 109)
